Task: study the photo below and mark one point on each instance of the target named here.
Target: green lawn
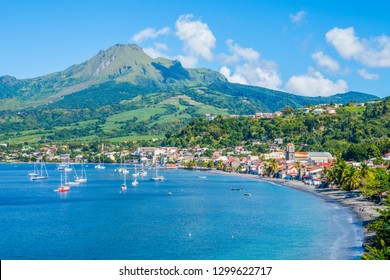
(359, 110)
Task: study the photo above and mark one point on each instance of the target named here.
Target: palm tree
(339, 174)
(273, 166)
(265, 168)
(351, 178)
(298, 167)
(220, 165)
(367, 175)
(204, 164)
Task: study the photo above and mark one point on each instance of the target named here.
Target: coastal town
(194, 139)
(280, 161)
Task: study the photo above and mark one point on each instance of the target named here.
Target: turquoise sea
(203, 219)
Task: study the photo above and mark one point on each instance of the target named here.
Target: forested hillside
(356, 132)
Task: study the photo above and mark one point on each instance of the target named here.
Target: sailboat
(70, 183)
(122, 169)
(135, 182)
(83, 177)
(63, 165)
(62, 187)
(41, 174)
(135, 171)
(35, 172)
(100, 165)
(142, 172)
(124, 186)
(157, 177)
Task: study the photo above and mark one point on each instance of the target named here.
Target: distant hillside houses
(277, 155)
(210, 117)
(304, 157)
(153, 151)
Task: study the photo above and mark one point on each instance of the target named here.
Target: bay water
(191, 216)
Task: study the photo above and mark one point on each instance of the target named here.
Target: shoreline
(363, 208)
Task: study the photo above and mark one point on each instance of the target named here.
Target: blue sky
(304, 47)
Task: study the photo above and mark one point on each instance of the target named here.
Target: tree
(351, 179)
(208, 153)
(273, 166)
(367, 175)
(287, 110)
(336, 174)
(380, 249)
(220, 165)
(298, 167)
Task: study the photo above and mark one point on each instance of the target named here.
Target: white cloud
(326, 61)
(367, 76)
(188, 61)
(238, 53)
(236, 78)
(315, 84)
(157, 50)
(149, 33)
(197, 38)
(373, 52)
(298, 17)
(249, 68)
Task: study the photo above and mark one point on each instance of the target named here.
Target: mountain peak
(9, 80)
(132, 47)
(128, 63)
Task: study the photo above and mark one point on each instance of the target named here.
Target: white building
(317, 157)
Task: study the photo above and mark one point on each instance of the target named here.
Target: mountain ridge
(120, 63)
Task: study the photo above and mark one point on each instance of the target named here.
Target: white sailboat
(124, 186)
(35, 172)
(122, 169)
(157, 177)
(83, 177)
(135, 171)
(100, 165)
(40, 174)
(135, 182)
(68, 168)
(70, 183)
(142, 172)
(63, 165)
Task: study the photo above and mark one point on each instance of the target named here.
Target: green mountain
(120, 63)
(122, 91)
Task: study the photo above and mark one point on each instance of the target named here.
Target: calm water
(202, 219)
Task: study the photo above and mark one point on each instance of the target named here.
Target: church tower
(290, 151)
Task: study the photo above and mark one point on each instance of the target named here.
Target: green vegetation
(153, 96)
(380, 248)
(375, 183)
(355, 134)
